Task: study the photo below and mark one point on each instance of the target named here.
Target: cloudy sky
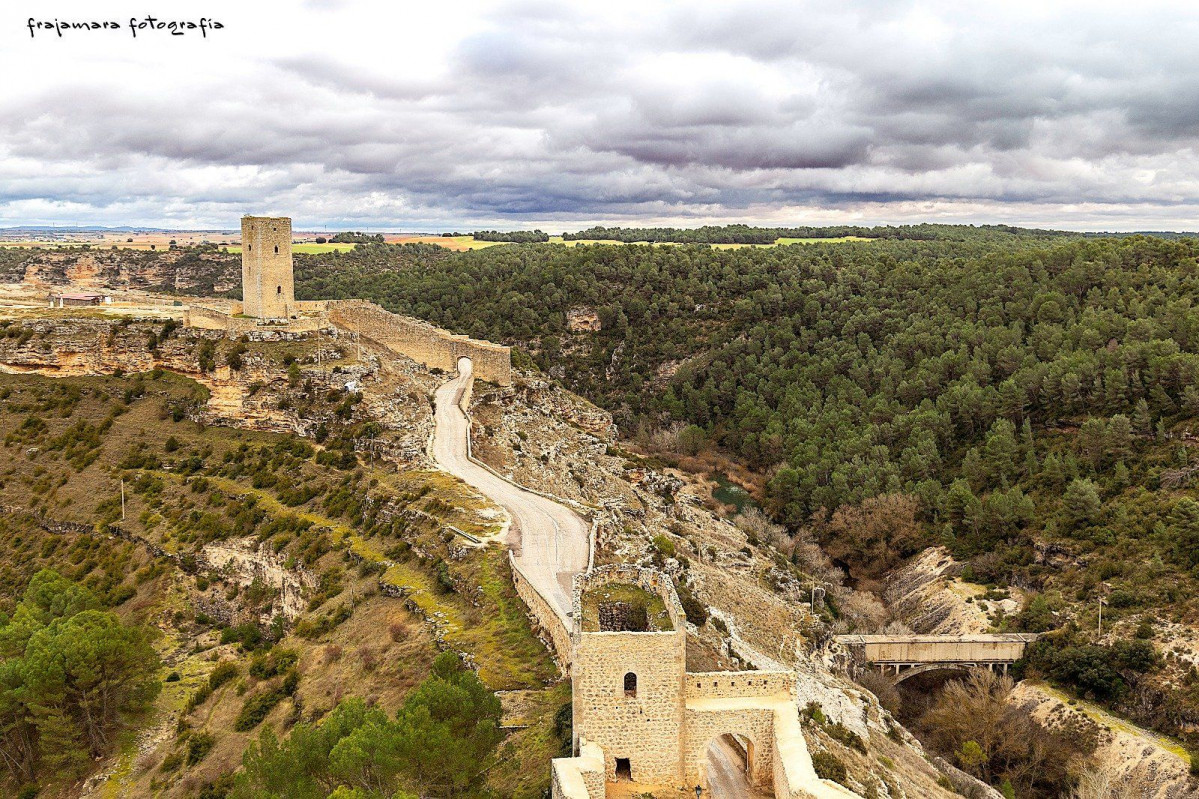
(407, 115)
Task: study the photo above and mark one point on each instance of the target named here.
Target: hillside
(1027, 405)
(1019, 408)
(260, 568)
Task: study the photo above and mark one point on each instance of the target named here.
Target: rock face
(929, 597)
(190, 271)
(582, 320)
(244, 561)
(257, 396)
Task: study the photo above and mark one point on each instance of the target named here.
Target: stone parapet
(740, 684)
(579, 777)
(543, 612)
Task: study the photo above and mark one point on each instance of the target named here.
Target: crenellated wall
(739, 684)
(421, 341)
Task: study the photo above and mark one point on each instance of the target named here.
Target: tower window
(249, 247)
(630, 684)
(278, 289)
(276, 249)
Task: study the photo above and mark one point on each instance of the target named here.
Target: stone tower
(266, 271)
(627, 671)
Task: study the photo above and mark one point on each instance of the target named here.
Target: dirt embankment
(1130, 762)
(929, 596)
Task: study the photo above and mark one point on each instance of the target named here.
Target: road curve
(549, 540)
(550, 545)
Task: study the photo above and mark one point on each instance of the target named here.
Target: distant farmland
(306, 248)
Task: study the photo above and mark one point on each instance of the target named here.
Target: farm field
(306, 248)
(456, 243)
(778, 243)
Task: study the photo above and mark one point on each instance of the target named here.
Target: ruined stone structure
(421, 341)
(268, 299)
(904, 656)
(266, 268)
(640, 716)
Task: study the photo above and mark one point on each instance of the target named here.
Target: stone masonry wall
(544, 613)
(209, 319)
(421, 341)
(740, 684)
(646, 728)
(579, 777)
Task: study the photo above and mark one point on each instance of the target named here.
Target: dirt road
(549, 540)
(726, 773)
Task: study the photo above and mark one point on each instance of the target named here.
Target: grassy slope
(380, 651)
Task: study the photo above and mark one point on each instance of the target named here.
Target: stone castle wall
(543, 612)
(650, 580)
(267, 288)
(210, 319)
(646, 728)
(739, 684)
(421, 341)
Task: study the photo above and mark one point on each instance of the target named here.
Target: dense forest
(512, 236)
(1033, 396)
(748, 234)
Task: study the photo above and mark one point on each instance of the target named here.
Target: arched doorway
(729, 769)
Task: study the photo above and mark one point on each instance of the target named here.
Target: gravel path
(549, 540)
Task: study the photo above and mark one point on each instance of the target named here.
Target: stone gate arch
(752, 728)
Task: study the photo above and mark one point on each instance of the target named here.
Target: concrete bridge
(903, 656)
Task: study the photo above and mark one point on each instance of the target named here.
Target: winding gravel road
(548, 539)
(550, 543)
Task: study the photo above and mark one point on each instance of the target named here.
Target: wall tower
(267, 288)
(627, 671)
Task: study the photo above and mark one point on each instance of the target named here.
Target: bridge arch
(924, 668)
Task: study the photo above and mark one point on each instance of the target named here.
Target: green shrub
(829, 767)
(198, 747)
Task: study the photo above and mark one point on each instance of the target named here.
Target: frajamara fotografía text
(135, 26)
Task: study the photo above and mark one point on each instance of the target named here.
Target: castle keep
(268, 302)
(266, 268)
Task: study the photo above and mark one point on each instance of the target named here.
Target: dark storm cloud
(682, 111)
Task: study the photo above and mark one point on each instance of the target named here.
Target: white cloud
(460, 113)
